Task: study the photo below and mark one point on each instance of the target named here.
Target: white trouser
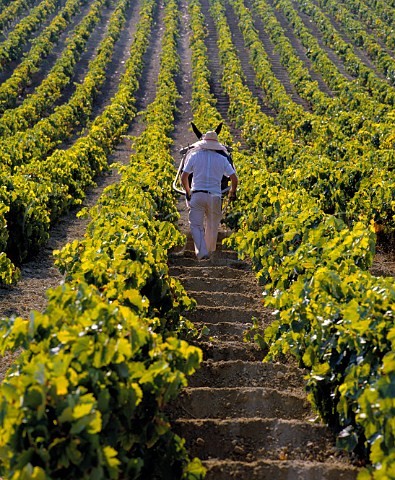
(204, 219)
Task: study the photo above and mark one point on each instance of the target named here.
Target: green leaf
(34, 398)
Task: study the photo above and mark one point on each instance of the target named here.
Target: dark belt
(200, 191)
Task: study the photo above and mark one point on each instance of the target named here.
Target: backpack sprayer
(177, 186)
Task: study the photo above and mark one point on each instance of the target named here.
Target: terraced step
(254, 374)
(227, 299)
(230, 350)
(216, 284)
(188, 249)
(237, 271)
(256, 438)
(279, 470)
(218, 314)
(245, 419)
(219, 258)
(226, 331)
(247, 402)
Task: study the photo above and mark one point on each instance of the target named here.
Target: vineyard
(124, 357)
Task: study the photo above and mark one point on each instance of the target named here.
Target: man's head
(209, 141)
(210, 136)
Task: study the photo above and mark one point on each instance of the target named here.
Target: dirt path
(245, 418)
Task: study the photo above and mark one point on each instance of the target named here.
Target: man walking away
(208, 166)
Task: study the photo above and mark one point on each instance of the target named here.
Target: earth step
(217, 314)
(279, 470)
(256, 438)
(244, 402)
(190, 246)
(225, 261)
(231, 350)
(221, 258)
(253, 374)
(226, 299)
(227, 331)
(210, 271)
(218, 284)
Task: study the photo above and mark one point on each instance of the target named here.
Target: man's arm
(234, 182)
(232, 192)
(187, 170)
(185, 183)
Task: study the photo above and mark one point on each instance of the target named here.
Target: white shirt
(208, 168)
